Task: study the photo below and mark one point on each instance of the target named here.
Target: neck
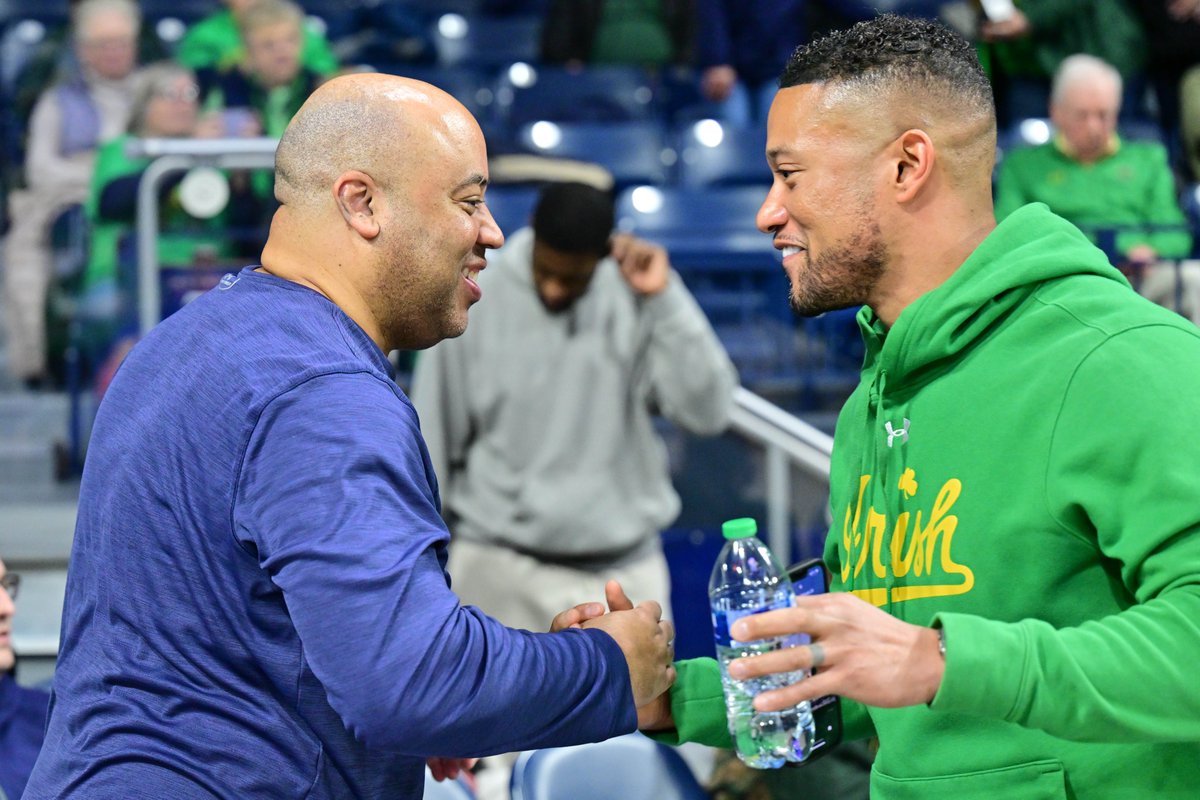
(932, 248)
(319, 262)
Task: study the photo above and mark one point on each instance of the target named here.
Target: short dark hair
(915, 53)
(574, 218)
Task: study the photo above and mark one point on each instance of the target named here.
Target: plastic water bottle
(748, 579)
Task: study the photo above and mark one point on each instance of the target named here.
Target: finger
(572, 617)
(786, 621)
(617, 599)
(650, 607)
(792, 694)
(668, 631)
(786, 660)
(619, 246)
(437, 769)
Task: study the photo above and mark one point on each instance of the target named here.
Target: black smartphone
(808, 578)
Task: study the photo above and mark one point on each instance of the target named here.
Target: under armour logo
(227, 281)
(893, 433)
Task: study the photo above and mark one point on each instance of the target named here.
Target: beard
(842, 276)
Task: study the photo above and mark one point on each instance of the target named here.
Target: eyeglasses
(10, 583)
(187, 94)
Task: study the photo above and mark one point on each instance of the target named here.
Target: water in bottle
(748, 579)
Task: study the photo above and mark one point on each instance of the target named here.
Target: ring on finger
(817, 654)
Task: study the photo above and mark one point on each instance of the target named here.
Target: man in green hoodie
(1015, 486)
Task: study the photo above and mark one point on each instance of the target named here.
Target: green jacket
(215, 41)
(1021, 465)
(1131, 188)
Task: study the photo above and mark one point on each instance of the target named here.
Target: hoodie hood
(1036, 246)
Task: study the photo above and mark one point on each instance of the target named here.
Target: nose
(555, 292)
(771, 214)
(6, 604)
(490, 235)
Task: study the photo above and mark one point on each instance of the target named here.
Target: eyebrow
(476, 179)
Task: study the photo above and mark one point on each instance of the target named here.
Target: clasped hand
(646, 639)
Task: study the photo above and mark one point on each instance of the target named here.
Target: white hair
(1082, 68)
(88, 10)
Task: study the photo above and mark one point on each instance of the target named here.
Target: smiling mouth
(789, 251)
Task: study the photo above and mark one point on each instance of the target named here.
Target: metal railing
(788, 441)
(171, 156)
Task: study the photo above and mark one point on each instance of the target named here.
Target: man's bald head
(363, 122)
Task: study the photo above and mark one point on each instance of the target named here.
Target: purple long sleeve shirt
(256, 603)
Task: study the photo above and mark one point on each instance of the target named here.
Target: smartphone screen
(810, 578)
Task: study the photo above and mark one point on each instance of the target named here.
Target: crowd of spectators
(253, 62)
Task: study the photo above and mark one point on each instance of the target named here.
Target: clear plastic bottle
(748, 579)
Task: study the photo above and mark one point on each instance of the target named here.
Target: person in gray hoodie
(539, 418)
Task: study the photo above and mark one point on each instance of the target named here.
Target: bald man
(1015, 538)
(257, 605)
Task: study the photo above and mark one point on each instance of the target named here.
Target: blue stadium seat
(486, 41)
(631, 767)
(700, 224)
(634, 152)
(712, 153)
(527, 93)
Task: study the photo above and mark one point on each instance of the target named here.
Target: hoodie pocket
(1035, 780)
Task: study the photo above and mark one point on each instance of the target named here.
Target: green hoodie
(1021, 465)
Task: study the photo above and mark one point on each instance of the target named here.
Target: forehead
(1090, 93)
(810, 116)
(107, 24)
(278, 29)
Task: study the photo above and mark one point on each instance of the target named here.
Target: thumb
(617, 599)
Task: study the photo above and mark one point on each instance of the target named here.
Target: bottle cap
(740, 528)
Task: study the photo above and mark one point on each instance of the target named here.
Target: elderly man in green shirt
(1100, 182)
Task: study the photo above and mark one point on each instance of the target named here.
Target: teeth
(790, 251)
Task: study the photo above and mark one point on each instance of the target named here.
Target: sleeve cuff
(985, 666)
(697, 705)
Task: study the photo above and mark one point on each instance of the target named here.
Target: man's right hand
(645, 638)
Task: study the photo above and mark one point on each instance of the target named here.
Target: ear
(914, 157)
(358, 198)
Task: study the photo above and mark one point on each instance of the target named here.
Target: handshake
(646, 639)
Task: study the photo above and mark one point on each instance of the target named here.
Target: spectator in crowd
(1173, 26)
(1103, 183)
(257, 603)
(1030, 44)
(216, 42)
(1189, 107)
(22, 709)
(260, 94)
(653, 34)
(69, 122)
(740, 48)
(1015, 540)
(539, 420)
(166, 106)
(270, 81)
